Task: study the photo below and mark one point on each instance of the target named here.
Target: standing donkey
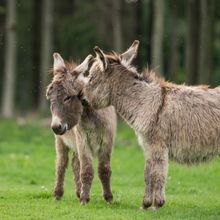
(182, 122)
(79, 127)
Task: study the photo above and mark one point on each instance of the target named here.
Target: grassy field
(27, 175)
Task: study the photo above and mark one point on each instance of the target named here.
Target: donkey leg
(104, 170)
(61, 165)
(160, 170)
(155, 177)
(76, 172)
(86, 177)
(148, 195)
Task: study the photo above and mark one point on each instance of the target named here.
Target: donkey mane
(70, 66)
(148, 75)
(113, 57)
(151, 76)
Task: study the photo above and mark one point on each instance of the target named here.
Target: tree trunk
(46, 49)
(138, 30)
(138, 20)
(10, 61)
(116, 23)
(173, 64)
(192, 40)
(36, 51)
(206, 41)
(157, 36)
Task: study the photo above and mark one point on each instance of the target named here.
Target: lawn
(27, 175)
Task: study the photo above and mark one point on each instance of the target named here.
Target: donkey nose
(57, 129)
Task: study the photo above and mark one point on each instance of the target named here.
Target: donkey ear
(99, 54)
(58, 63)
(129, 55)
(84, 67)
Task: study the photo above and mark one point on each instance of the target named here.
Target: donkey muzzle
(59, 129)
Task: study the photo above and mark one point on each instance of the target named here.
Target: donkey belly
(194, 142)
(94, 142)
(193, 154)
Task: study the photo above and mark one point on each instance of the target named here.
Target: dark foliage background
(179, 39)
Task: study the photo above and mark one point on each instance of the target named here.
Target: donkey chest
(69, 140)
(86, 139)
(92, 141)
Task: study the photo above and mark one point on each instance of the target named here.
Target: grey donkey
(171, 121)
(77, 126)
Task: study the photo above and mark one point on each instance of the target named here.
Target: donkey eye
(67, 99)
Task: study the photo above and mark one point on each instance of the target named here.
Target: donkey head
(64, 93)
(99, 88)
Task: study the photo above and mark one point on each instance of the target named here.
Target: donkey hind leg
(155, 177)
(76, 172)
(148, 195)
(104, 170)
(86, 177)
(61, 165)
(160, 170)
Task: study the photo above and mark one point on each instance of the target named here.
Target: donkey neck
(87, 114)
(90, 118)
(136, 101)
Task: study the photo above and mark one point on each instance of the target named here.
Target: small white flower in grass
(44, 188)
(12, 156)
(26, 157)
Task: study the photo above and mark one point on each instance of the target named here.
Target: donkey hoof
(108, 198)
(58, 193)
(84, 201)
(78, 194)
(146, 203)
(159, 203)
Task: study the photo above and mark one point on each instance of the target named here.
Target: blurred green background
(179, 40)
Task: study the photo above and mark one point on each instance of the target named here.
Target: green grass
(27, 175)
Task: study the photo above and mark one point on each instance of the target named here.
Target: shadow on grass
(41, 195)
(98, 203)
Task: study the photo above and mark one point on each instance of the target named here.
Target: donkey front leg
(104, 170)
(61, 165)
(76, 172)
(155, 176)
(86, 177)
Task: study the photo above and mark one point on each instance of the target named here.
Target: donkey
(79, 127)
(171, 121)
